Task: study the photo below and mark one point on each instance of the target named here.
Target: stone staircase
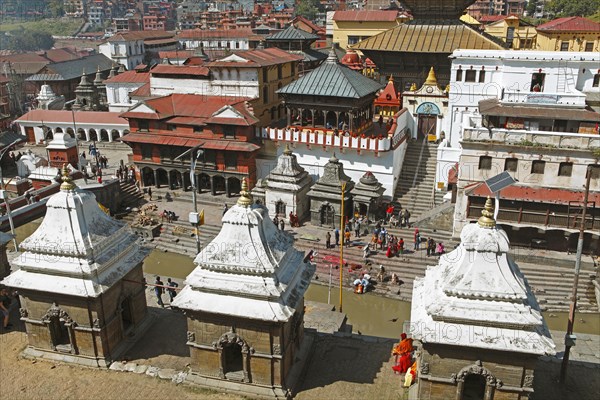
(552, 286)
(130, 196)
(417, 178)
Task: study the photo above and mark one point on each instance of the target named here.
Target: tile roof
(437, 9)
(365, 16)
(215, 34)
(140, 35)
(570, 24)
(141, 92)
(292, 33)
(130, 77)
(72, 69)
(176, 54)
(491, 18)
(429, 37)
(176, 139)
(332, 79)
(190, 105)
(257, 58)
(196, 70)
(62, 54)
(8, 137)
(81, 117)
(307, 22)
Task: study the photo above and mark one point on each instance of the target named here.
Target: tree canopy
(308, 8)
(26, 40)
(566, 8)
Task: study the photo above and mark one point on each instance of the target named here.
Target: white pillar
(87, 134)
(110, 138)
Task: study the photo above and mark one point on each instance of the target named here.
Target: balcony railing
(533, 138)
(326, 137)
(541, 98)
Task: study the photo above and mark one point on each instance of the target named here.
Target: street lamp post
(5, 198)
(77, 140)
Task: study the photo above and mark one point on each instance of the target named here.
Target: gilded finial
(67, 183)
(287, 150)
(391, 78)
(431, 78)
(413, 87)
(245, 199)
(447, 89)
(487, 215)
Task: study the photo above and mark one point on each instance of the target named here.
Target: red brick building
(164, 128)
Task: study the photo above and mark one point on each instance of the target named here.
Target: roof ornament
(67, 184)
(431, 78)
(245, 199)
(333, 158)
(487, 215)
(287, 150)
(391, 78)
(332, 57)
(413, 87)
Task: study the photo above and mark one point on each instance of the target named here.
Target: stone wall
(441, 366)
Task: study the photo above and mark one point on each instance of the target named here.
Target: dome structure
(479, 285)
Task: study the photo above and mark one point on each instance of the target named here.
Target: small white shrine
(80, 282)
(245, 306)
(478, 321)
(48, 100)
(286, 188)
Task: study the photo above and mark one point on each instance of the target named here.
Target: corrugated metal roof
(365, 15)
(292, 33)
(536, 194)
(332, 79)
(429, 37)
(72, 69)
(495, 108)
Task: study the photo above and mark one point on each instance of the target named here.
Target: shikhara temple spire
(431, 78)
(487, 215)
(67, 184)
(245, 199)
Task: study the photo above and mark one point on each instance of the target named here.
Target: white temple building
(79, 279)
(475, 314)
(286, 188)
(245, 306)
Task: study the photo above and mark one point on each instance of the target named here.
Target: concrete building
(352, 26)
(478, 321)
(120, 86)
(130, 48)
(245, 308)
(86, 302)
(219, 39)
(539, 129)
(569, 34)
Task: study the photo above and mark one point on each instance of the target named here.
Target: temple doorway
(474, 387)
(280, 208)
(126, 317)
(59, 333)
(327, 215)
(233, 362)
(427, 126)
(362, 209)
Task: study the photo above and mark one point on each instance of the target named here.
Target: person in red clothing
(389, 212)
(404, 350)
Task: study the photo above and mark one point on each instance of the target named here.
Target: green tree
(26, 40)
(531, 5)
(566, 8)
(56, 8)
(308, 8)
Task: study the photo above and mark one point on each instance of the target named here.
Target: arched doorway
(93, 135)
(147, 176)
(81, 134)
(162, 177)
(327, 215)
(362, 208)
(58, 130)
(48, 135)
(234, 185)
(103, 135)
(280, 208)
(235, 358)
(203, 182)
(115, 134)
(125, 132)
(474, 387)
(218, 185)
(427, 116)
(70, 132)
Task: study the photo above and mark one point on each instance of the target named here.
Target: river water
(369, 314)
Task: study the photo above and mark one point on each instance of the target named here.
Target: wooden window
(565, 169)
(482, 76)
(596, 81)
(265, 94)
(459, 74)
(595, 171)
(485, 162)
(229, 131)
(230, 160)
(589, 46)
(210, 157)
(146, 151)
(293, 65)
(143, 125)
(511, 164)
(538, 167)
(564, 46)
(265, 74)
(198, 129)
(279, 71)
(470, 75)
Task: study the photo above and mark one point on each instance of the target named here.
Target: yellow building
(569, 34)
(513, 31)
(350, 27)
